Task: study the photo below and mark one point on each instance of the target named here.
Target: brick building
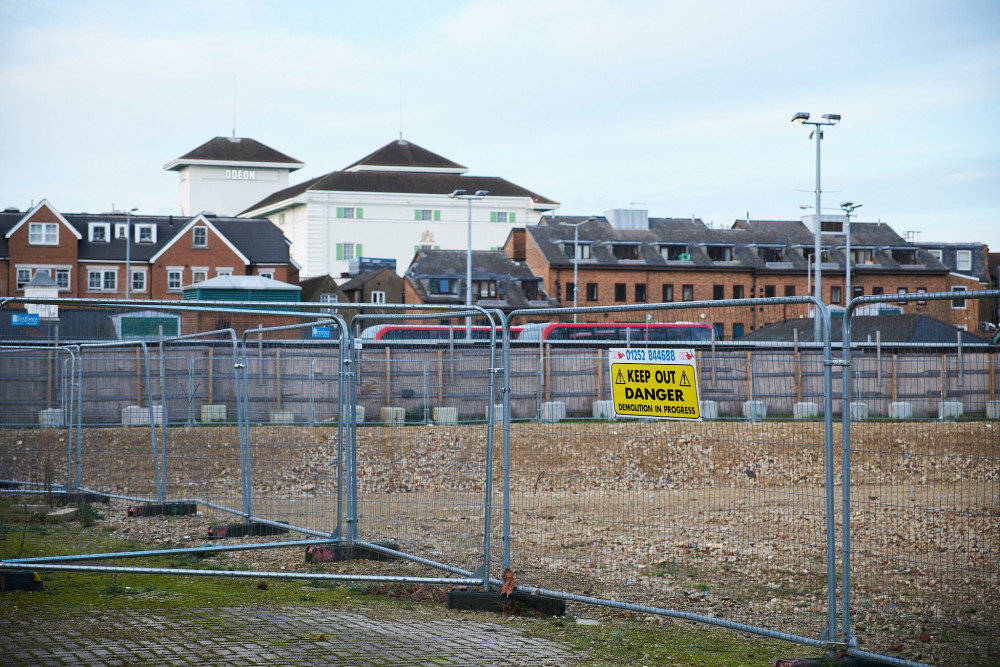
(86, 254)
(625, 257)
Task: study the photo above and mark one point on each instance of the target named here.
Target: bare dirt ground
(722, 519)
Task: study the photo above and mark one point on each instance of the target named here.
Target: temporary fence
(452, 444)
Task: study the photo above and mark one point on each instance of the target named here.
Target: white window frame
(121, 230)
(328, 298)
(266, 273)
(17, 276)
(175, 271)
(378, 296)
(43, 233)
(958, 288)
(195, 270)
(55, 273)
(963, 260)
(106, 279)
(347, 212)
(937, 254)
(140, 229)
(194, 236)
(224, 271)
(94, 227)
(138, 273)
(426, 214)
(347, 251)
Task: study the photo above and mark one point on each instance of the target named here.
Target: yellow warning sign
(654, 383)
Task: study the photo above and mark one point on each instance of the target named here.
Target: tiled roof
(902, 328)
(486, 265)
(234, 149)
(402, 154)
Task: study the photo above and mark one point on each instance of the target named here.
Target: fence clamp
(836, 362)
(239, 366)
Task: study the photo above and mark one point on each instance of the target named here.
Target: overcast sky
(681, 107)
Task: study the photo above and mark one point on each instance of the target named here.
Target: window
(43, 233)
(936, 253)
(266, 273)
(174, 279)
(832, 226)
(582, 250)
(425, 214)
(737, 329)
(904, 255)
(922, 290)
(121, 231)
(346, 251)
(687, 292)
(99, 232)
(502, 216)
(640, 293)
(718, 292)
(378, 296)
(484, 289)
(198, 275)
(530, 288)
(350, 212)
(328, 297)
(901, 290)
(625, 251)
(862, 256)
(223, 271)
(145, 234)
(620, 295)
(737, 291)
(444, 286)
(62, 279)
(719, 329)
(769, 291)
(857, 291)
(200, 237)
(771, 254)
(570, 290)
(23, 278)
(719, 253)
(836, 294)
(789, 290)
(876, 291)
(963, 260)
(138, 281)
(958, 304)
(675, 253)
(102, 281)
(591, 291)
(668, 292)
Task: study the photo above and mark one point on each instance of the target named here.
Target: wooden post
(944, 376)
(547, 379)
(138, 377)
(388, 375)
(600, 369)
(277, 378)
(993, 372)
(895, 385)
(961, 361)
(878, 357)
(749, 378)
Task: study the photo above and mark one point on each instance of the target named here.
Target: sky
(680, 107)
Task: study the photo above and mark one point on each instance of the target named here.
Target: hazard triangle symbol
(684, 379)
(619, 379)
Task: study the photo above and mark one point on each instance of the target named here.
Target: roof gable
(195, 220)
(401, 155)
(234, 150)
(44, 204)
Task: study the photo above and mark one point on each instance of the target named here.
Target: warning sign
(654, 383)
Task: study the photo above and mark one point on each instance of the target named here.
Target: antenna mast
(234, 106)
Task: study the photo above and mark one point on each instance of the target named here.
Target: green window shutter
(359, 213)
(437, 216)
(416, 214)
(510, 217)
(437, 247)
(357, 250)
(340, 251)
(493, 216)
(340, 212)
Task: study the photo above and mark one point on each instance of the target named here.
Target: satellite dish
(684, 257)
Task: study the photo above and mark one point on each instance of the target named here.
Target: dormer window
(862, 256)
(145, 233)
(582, 250)
(484, 289)
(771, 254)
(675, 253)
(719, 253)
(625, 250)
(444, 286)
(832, 226)
(99, 232)
(530, 288)
(121, 231)
(904, 255)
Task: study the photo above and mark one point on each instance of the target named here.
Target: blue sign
(24, 319)
(322, 332)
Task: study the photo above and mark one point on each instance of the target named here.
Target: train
(581, 332)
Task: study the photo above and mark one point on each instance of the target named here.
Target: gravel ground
(722, 519)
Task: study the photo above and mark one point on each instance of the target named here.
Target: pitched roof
(486, 265)
(242, 283)
(224, 150)
(406, 156)
(902, 328)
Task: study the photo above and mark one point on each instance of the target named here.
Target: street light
(128, 251)
(576, 259)
(827, 119)
(849, 208)
(461, 194)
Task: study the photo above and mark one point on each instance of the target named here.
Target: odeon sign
(241, 175)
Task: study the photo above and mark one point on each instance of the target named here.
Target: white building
(391, 203)
(227, 174)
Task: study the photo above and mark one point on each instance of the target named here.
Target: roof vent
(235, 140)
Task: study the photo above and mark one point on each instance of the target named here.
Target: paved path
(287, 636)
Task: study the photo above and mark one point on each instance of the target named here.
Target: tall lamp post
(128, 251)
(827, 119)
(849, 208)
(461, 194)
(576, 260)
